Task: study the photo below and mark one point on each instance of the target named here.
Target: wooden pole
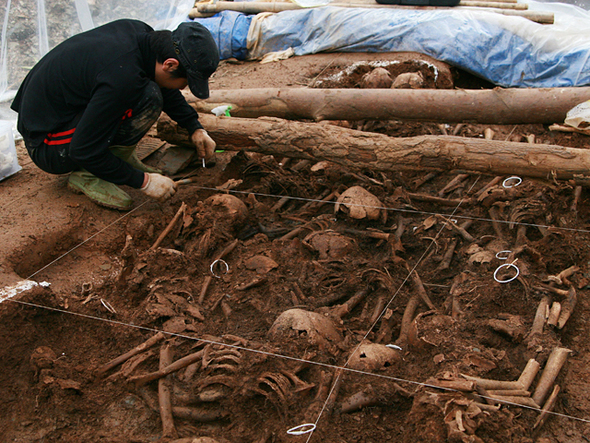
(258, 7)
(496, 106)
(351, 148)
(497, 6)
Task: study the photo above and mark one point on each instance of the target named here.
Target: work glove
(204, 143)
(159, 186)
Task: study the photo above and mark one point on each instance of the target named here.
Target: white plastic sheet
(508, 51)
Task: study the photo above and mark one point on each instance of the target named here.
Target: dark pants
(53, 155)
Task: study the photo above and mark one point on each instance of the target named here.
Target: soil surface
(283, 306)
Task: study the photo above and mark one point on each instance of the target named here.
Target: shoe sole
(99, 203)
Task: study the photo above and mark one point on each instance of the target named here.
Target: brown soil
(110, 291)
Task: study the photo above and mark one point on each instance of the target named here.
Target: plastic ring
(502, 252)
(514, 177)
(214, 263)
(298, 430)
(506, 265)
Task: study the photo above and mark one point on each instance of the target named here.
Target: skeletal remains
(218, 370)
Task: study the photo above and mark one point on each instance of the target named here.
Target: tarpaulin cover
(508, 51)
(230, 31)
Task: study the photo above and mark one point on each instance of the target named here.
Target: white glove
(159, 186)
(204, 143)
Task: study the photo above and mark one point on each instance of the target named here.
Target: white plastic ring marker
(502, 257)
(506, 265)
(214, 263)
(204, 165)
(514, 177)
(305, 428)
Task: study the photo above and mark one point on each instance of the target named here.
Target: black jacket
(102, 73)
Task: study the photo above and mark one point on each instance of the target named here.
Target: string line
(282, 356)
(410, 211)
(382, 313)
(337, 368)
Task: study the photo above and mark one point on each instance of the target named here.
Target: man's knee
(138, 121)
(151, 104)
(50, 159)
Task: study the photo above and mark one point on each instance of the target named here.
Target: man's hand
(158, 186)
(204, 144)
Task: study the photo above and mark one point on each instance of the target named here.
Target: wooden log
(351, 148)
(258, 7)
(498, 106)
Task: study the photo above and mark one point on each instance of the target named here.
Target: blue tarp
(508, 51)
(230, 31)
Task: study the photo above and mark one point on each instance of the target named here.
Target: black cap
(198, 54)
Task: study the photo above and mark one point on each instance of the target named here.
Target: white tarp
(508, 51)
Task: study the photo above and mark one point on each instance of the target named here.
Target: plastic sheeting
(230, 31)
(506, 50)
(30, 28)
